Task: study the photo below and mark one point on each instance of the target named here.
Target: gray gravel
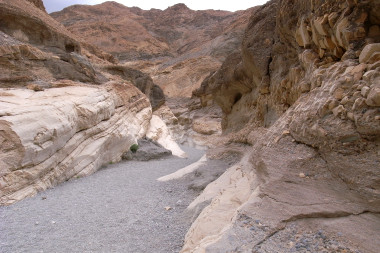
(118, 209)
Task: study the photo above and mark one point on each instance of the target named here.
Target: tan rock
(369, 51)
(369, 75)
(206, 126)
(332, 18)
(174, 46)
(339, 110)
(364, 91)
(339, 93)
(334, 103)
(374, 31)
(38, 3)
(321, 53)
(338, 52)
(341, 27)
(302, 35)
(359, 104)
(329, 43)
(321, 25)
(357, 71)
(305, 87)
(351, 116)
(373, 98)
(362, 18)
(345, 100)
(360, 32)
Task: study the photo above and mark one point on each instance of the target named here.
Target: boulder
(373, 97)
(370, 53)
(148, 150)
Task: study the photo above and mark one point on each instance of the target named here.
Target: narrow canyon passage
(118, 209)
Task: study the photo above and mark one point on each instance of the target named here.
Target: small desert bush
(134, 148)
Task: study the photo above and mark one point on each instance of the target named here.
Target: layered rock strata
(51, 136)
(64, 109)
(303, 94)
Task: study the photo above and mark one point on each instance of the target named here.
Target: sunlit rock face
(303, 94)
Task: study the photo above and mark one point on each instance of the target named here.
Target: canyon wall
(304, 94)
(51, 136)
(300, 95)
(66, 107)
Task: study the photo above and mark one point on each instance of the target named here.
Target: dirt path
(118, 209)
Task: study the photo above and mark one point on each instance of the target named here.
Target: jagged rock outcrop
(178, 47)
(303, 94)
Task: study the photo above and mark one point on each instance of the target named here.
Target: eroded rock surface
(303, 94)
(191, 124)
(64, 112)
(51, 136)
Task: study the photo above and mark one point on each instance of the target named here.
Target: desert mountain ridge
(170, 32)
(170, 45)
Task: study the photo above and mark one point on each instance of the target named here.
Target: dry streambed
(122, 208)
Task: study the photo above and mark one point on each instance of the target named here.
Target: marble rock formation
(63, 112)
(51, 136)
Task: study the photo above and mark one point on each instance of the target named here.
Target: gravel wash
(121, 208)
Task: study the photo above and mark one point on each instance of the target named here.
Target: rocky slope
(178, 47)
(133, 33)
(66, 107)
(304, 94)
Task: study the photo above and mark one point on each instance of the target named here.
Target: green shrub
(134, 148)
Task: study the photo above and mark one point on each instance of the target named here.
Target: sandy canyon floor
(121, 208)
